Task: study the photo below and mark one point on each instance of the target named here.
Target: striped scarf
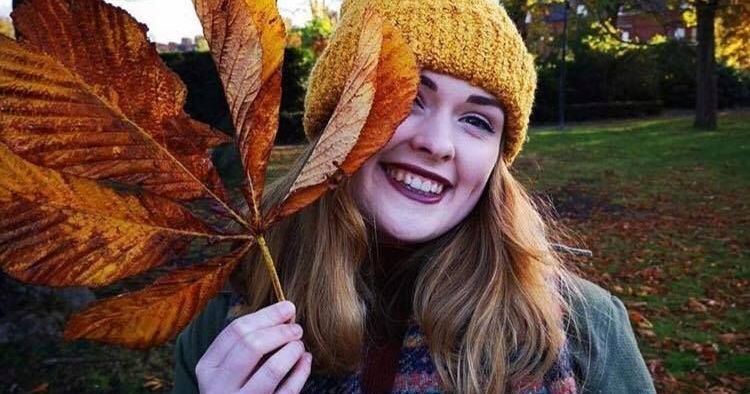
(417, 373)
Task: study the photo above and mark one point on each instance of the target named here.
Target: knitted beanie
(473, 40)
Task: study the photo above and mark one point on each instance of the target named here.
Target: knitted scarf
(417, 373)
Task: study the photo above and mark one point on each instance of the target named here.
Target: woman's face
(430, 175)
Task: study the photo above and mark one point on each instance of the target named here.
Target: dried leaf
(694, 305)
(155, 314)
(153, 383)
(94, 145)
(147, 92)
(62, 230)
(639, 320)
(247, 41)
(42, 388)
(377, 97)
(94, 100)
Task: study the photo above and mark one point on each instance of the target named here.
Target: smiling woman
(450, 142)
(431, 269)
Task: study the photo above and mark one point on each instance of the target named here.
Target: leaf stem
(268, 260)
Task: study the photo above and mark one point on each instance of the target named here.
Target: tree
(705, 94)
(733, 35)
(733, 39)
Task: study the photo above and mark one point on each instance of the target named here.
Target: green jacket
(604, 349)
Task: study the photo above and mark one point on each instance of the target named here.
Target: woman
(430, 270)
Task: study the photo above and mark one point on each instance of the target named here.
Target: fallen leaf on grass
(708, 352)
(153, 383)
(639, 320)
(42, 388)
(732, 338)
(696, 306)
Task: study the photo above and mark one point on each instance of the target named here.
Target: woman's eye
(479, 122)
(418, 102)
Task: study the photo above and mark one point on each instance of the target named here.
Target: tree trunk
(705, 94)
(563, 69)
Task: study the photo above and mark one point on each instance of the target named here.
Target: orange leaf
(109, 51)
(155, 314)
(91, 112)
(377, 97)
(62, 230)
(247, 41)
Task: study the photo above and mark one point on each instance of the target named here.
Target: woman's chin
(407, 233)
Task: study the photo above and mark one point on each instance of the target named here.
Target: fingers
(270, 374)
(269, 316)
(296, 380)
(250, 349)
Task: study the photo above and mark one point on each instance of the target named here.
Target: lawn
(663, 208)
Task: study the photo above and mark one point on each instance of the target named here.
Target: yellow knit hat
(474, 40)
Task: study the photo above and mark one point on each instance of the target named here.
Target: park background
(640, 140)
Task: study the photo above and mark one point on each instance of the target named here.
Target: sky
(170, 20)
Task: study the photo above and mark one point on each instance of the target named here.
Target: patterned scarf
(417, 373)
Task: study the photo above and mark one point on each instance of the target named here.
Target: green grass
(645, 152)
(682, 207)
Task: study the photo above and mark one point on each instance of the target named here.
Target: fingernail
(297, 329)
(308, 357)
(287, 308)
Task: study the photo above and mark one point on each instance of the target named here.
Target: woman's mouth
(414, 186)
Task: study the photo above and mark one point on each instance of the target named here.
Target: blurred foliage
(206, 102)
(201, 44)
(311, 38)
(626, 82)
(733, 35)
(6, 28)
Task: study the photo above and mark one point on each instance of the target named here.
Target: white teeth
(415, 181)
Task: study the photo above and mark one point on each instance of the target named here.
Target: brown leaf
(377, 97)
(42, 388)
(694, 305)
(640, 321)
(153, 315)
(62, 230)
(709, 352)
(108, 50)
(110, 110)
(247, 41)
(153, 383)
(731, 338)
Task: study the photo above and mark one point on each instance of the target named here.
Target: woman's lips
(411, 194)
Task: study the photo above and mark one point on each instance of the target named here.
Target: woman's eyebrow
(483, 100)
(428, 82)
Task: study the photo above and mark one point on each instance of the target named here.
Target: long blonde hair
(486, 295)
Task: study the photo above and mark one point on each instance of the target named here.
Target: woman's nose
(435, 138)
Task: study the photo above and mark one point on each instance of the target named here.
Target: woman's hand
(236, 363)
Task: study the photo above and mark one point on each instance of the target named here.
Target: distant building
(632, 25)
(186, 44)
(643, 26)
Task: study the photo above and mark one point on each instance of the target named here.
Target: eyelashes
(481, 123)
(473, 120)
